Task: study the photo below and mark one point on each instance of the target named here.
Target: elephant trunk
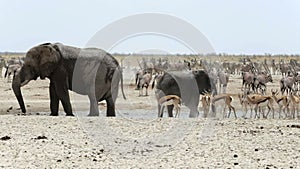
(16, 86)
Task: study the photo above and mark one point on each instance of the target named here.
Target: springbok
(295, 101)
(282, 101)
(217, 99)
(169, 100)
(261, 101)
(205, 100)
(245, 104)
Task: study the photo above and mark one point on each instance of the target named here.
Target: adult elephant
(188, 85)
(88, 71)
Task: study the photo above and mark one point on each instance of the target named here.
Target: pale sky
(231, 26)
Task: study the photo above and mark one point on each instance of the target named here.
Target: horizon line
(201, 54)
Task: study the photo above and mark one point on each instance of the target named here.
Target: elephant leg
(54, 101)
(170, 110)
(63, 95)
(110, 112)
(94, 111)
(193, 106)
(193, 112)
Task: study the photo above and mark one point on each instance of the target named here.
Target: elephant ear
(49, 57)
(48, 54)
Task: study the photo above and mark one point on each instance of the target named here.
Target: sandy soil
(136, 138)
(70, 142)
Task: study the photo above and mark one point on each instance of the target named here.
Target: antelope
(261, 80)
(286, 84)
(248, 80)
(245, 104)
(214, 100)
(284, 68)
(282, 101)
(205, 100)
(246, 67)
(144, 82)
(138, 75)
(273, 67)
(295, 100)
(169, 100)
(261, 101)
(223, 81)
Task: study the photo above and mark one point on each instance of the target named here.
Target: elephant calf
(87, 71)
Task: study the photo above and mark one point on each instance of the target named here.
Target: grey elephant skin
(16, 86)
(188, 85)
(87, 71)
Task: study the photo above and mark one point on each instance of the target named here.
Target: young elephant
(88, 71)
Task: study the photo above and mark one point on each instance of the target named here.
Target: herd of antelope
(253, 94)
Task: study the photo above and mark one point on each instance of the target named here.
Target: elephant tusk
(24, 83)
